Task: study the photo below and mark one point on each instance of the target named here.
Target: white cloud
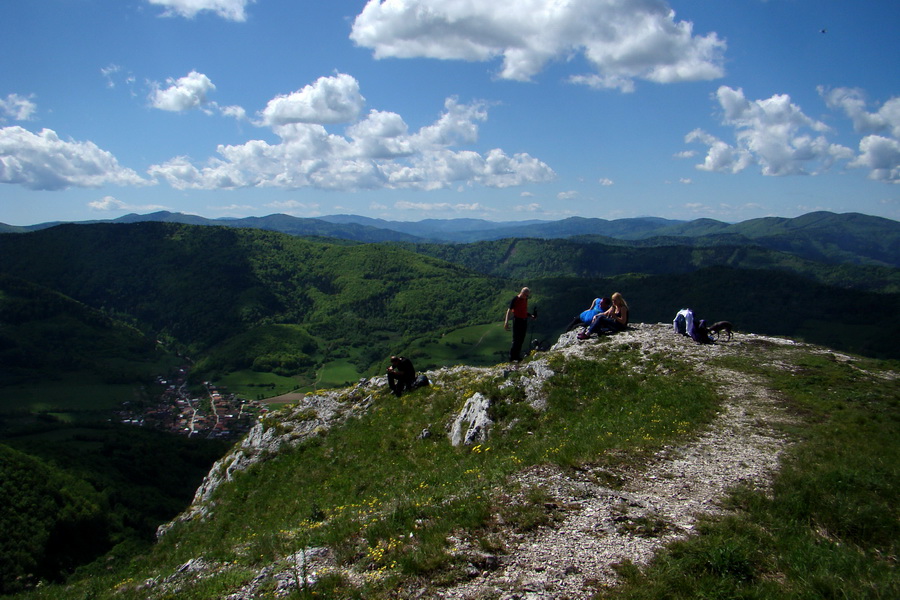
(182, 94)
(686, 181)
(605, 181)
(772, 133)
(107, 203)
(294, 206)
(532, 208)
(110, 204)
(882, 156)
(378, 152)
(16, 107)
(852, 102)
(879, 154)
(439, 206)
(114, 74)
(622, 40)
(110, 73)
(232, 10)
(233, 209)
(569, 195)
(235, 112)
(42, 161)
(329, 100)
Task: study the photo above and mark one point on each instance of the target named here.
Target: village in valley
(183, 410)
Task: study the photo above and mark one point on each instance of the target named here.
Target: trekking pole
(531, 329)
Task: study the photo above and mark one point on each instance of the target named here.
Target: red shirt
(519, 306)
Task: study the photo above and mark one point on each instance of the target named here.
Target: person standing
(518, 311)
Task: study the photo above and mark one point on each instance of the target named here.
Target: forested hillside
(198, 287)
(586, 258)
(43, 330)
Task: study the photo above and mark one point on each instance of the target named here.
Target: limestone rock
(472, 424)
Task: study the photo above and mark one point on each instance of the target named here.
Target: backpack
(684, 321)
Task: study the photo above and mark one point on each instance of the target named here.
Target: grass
(410, 513)
(254, 385)
(402, 509)
(336, 373)
(478, 345)
(830, 525)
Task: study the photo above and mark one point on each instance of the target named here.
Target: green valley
(94, 317)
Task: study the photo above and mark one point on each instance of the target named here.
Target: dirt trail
(603, 526)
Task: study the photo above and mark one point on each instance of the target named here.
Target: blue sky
(411, 109)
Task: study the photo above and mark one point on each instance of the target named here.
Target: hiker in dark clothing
(401, 375)
(518, 310)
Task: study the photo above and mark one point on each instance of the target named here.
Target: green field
(254, 385)
(336, 373)
(478, 345)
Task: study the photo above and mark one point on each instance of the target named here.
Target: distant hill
(821, 236)
(218, 293)
(524, 258)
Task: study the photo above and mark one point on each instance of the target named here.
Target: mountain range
(838, 238)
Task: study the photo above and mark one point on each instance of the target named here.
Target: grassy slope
(829, 528)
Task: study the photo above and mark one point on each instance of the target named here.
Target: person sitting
(401, 375)
(584, 319)
(612, 320)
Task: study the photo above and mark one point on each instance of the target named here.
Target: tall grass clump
(829, 527)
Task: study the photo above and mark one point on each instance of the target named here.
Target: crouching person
(401, 375)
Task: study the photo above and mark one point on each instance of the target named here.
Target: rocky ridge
(598, 526)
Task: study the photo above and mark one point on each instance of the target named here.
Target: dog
(721, 328)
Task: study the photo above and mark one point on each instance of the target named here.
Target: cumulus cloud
(878, 153)
(378, 150)
(622, 40)
(182, 94)
(568, 195)
(110, 204)
(605, 181)
(439, 206)
(16, 107)
(43, 161)
(235, 112)
(329, 100)
(772, 133)
(852, 102)
(294, 206)
(881, 156)
(232, 10)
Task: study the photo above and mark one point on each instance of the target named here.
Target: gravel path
(603, 526)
